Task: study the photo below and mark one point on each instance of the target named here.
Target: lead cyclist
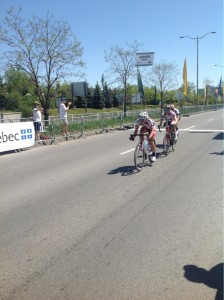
(147, 126)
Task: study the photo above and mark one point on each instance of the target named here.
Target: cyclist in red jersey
(147, 126)
(170, 118)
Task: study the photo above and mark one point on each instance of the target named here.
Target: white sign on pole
(16, 136)
(144, 59)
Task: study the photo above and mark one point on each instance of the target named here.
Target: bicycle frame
(142, 152)
(169, 139)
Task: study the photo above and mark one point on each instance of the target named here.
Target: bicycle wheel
(139, 157)
(166, 144)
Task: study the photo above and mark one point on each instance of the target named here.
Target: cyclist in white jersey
(170, 119)
(147, 126)
(177, 112)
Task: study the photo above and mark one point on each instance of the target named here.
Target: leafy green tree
(20, 94)
(97, 98)
(107, 96)
(89, 98)
(12, 101)
(43, 48)
(62, 90)
(115, 100)
(80, 102)
(2, 94)
(150, 95)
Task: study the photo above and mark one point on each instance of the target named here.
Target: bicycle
(142, 152)
(169, 139)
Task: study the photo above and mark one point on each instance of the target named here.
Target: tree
(62, 90)
(80, 102)
(2, 94)
(107, 96)
(115, 100)
(97, 98)
(164, 77)
(19, 94)
(89, 97)
(18, 81)
(122, 65)
(45, 49)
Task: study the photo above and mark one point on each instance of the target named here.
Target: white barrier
(16, 136)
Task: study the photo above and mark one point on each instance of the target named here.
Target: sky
(157, 24)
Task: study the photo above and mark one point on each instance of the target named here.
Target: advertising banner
(16, 136)
(144, 59)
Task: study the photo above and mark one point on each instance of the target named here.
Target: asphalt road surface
(77, 221)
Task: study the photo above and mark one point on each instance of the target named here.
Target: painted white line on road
(210, 120)
(186, 129)
(127, 151)
(206, 130)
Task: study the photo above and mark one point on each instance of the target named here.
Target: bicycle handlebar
(142, 134)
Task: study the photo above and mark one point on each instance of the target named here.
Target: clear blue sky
(157, 24)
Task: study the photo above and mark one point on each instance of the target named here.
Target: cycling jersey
(176, 112)
(148, 124)
(168, 116)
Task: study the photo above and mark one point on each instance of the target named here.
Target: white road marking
(186, 129)
(210, 120)
(127, 151)
(206, 130)
(189, 129)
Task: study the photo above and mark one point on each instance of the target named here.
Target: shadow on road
(159, 146)
(219, 136)
(212, 278)
(218, 153)
(124, 171)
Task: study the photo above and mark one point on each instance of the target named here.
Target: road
(78, 222)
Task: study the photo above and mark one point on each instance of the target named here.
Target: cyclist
(147, 126)
(170, 118)
(177, 112)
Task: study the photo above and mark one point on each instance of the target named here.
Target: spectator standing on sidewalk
(63, 115)
(37, 110)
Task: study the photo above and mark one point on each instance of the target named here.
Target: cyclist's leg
(173, 128)
(153, 144)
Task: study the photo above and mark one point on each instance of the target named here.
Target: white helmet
(143, 116)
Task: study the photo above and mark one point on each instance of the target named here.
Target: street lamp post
(197, 39)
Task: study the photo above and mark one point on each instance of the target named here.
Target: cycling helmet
(143, 116)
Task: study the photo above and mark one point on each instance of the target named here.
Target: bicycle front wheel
(139, 157)
(166, 145)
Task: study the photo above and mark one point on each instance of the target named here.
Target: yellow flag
(185, 77)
